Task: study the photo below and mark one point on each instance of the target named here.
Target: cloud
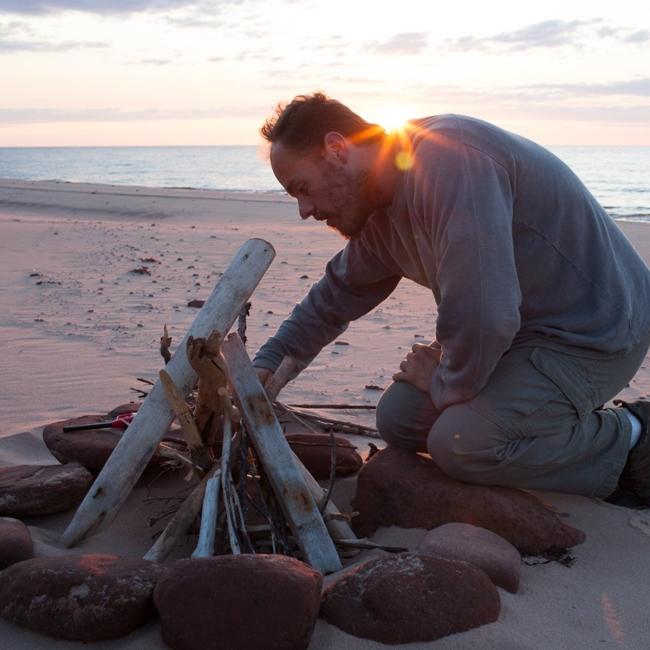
(59, 115)
(9, 47)
(642, 36)
(90, 6)
(15, 36)
(545, 34)
(538, 94)
(570, 102)
(155, 61)
(631, 88)
(548, 33)
(405, 43)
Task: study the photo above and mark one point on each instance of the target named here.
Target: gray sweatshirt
(514, 248)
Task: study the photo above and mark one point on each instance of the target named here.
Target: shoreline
(21, 189)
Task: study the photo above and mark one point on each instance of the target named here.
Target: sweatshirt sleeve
(355, 281)
(465, 198)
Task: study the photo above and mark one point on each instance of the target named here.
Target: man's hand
(419, 365)
(264, 374)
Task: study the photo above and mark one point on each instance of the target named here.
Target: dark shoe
(636, 473)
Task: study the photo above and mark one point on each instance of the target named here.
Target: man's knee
(464, 444)
(403, 416)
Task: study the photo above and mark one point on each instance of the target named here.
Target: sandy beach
(81, 321)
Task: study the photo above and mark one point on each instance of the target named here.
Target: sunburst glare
(392, 118)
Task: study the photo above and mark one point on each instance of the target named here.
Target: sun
(392, 118)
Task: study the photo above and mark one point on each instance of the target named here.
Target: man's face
(329, 187)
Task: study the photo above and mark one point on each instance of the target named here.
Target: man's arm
(355, 281)
(467, 199)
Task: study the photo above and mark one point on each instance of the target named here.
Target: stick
(185, 418)
(335, 407)
(139, 442)
(205, 545)
(340, 425)
(286, 371)
(225, 473)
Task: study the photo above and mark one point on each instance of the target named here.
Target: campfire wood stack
(296, 492)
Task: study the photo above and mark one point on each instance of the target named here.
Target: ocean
(619, 177)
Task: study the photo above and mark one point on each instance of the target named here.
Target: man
(543, 304)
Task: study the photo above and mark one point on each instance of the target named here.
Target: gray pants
(538, 423)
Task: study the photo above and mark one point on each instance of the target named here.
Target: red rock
(407, 598)
(87, 598)
(314, 450)
(480, 547)
(27, 490)
(400, 488)
(90, 448)
(127, 407)
(247, 602)
(15, 542)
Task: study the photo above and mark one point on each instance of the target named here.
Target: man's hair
(303, 123)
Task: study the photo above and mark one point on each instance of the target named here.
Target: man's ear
(336, 147)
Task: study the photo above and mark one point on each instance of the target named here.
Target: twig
(185, 418)
(241, 321)
(165, 342)
(366, 544)
(327, 423)
(330, 487)
(333, 407)
(225, 472)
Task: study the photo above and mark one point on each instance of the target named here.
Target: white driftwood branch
(209, 512)
(139, 442)
(286, 371)
(275, 455)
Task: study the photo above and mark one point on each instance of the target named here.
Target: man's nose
(305, 208)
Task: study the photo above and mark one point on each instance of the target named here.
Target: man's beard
(352, 206)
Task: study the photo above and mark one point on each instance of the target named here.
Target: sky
(208, 72)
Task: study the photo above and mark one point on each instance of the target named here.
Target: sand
(77, 329)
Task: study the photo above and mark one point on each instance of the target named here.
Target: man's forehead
(283, 156)
(288, 164)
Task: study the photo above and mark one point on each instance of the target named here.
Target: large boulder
(27, 490)
(242, 602)
(479, 547)
(397, 487)
(315, 452)
(407, 598)
(86, 598)
(15, 542)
